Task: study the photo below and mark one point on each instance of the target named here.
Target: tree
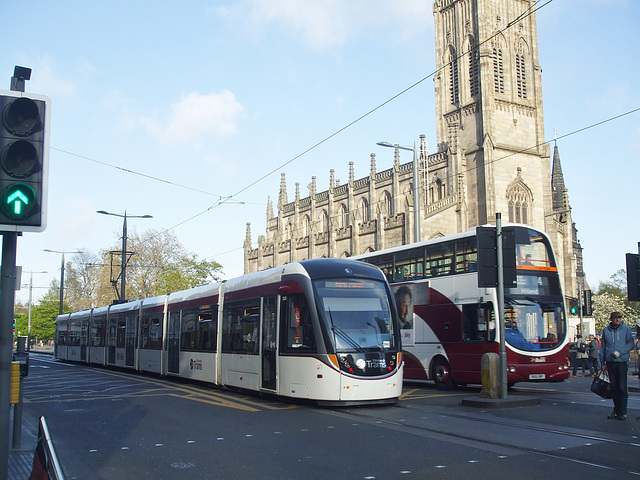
(43, 318)
(82, 286)
(611, 296)
(156, 264)
(605, 303)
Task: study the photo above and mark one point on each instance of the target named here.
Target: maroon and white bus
(448, 322)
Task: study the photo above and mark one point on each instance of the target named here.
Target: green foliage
(612, 297)
(43, 318)
(156, 264)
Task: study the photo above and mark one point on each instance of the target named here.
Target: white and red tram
(324, 330)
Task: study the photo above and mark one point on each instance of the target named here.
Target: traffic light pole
(580, 303)
(8, 284)
(500, 292)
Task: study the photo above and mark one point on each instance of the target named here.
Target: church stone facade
(492, 157)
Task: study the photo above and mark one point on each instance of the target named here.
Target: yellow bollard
(489, 371)
(15, 383)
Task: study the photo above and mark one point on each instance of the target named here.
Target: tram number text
(196, 364)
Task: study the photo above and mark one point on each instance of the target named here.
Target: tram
(323, 330)
(448, 322)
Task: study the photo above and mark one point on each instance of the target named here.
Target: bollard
(490, 374)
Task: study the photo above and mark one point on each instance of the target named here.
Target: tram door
(173, 346)
(269, 343)
(130, 344)
(84, 336)
(111, 340)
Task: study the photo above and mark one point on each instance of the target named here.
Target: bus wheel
(442, 375)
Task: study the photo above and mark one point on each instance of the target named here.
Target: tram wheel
(442, 375)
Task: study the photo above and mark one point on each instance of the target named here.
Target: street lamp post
(123, 272)
(29, 310)
(61, 275)
(416, 188)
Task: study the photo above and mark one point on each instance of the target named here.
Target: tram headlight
(512, 369)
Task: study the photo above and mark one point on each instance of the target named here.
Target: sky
(190, 112)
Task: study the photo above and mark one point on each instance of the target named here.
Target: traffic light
(633, 277)
(24, 161)
(573, 306)
(587, 309)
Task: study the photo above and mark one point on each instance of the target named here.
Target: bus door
(130, 344)
(111, 340)
(173, 346)
(269, 343)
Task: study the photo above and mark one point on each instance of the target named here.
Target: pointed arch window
(386, 205)
(342, 216)
(519, 201)
(521, 75)
(452, 67)
(498, 69)
(364, 210)
(324, 221)
(474, 68)
(306, 226)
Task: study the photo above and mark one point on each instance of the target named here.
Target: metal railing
(45, 462)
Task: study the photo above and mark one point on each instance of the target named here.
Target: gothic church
(491, 157)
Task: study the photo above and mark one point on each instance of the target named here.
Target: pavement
(21, 457)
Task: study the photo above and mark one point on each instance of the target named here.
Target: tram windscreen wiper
(378, 334)
(345, 336)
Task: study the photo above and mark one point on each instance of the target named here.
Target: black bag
(601, 385)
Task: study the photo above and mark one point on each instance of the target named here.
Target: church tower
(489, 109)
(490, 124)
(491, 157)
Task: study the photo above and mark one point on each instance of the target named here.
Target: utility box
(490, 373)
(21, 356)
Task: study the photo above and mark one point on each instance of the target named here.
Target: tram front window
(534, 325)
(357, 313)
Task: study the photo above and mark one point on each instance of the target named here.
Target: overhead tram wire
(525, 14)
(313, 147)
(127, 170)
(223, 200)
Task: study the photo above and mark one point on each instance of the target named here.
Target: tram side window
(74, 334)
(61, 335)
(151, 332)
(297, 327)
(467, 255)
(478, 322)
(121, 330)
(199, 332)
(98, 332)
(439, 260)
(240, 326)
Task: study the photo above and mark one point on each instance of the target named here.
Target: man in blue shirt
(617, 343)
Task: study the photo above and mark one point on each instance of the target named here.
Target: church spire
(557, 181)
(282, 197)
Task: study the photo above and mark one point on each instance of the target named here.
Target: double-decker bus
(323, 330)
(448, 322)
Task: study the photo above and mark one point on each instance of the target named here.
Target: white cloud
(195, 116)
(324, 24)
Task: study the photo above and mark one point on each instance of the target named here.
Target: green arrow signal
(18, 198)
(18, 202)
